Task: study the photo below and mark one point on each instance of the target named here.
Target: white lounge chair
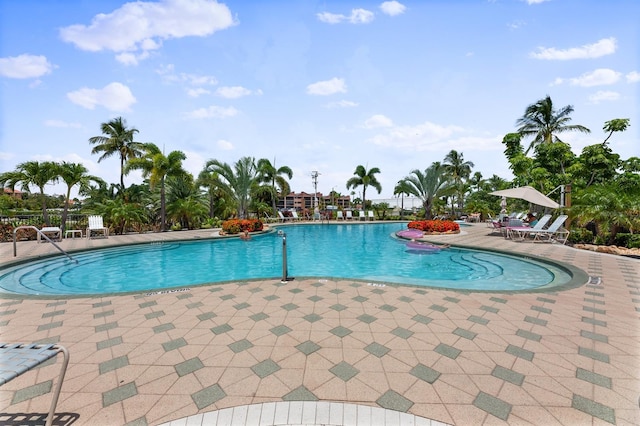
(515, 231)
(349, 215)
(339, 215)
(96, 225)
(54, 233)
(552, 232)
(370, 215)
(294, 215)
(361, 215)
(282, 217)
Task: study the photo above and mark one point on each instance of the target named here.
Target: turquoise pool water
(367, 252)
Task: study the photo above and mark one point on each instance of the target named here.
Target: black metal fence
(74, 221)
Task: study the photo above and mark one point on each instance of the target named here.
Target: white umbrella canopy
(529, 194)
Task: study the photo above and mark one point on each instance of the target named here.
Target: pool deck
(336, 351)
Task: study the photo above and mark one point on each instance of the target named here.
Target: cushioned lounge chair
(349, 215)
(361, 215)
(370, 215)
(339, 215)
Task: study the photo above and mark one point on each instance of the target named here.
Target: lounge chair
(52, 232)
(361, 215)
(553, 232)
(96, 225)
(294, 215)
(515, 231)
(349, 215)
(18, 358)
(282, 217)
(370, 215)
(339, 215)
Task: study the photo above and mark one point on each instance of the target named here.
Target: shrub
(434, 225)
(234, 226)
(581, 236)
(624, 239)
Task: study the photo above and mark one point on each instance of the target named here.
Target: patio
(556, 358)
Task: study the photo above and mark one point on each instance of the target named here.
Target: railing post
(285, 278)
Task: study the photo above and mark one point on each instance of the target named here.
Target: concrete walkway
(251, 351)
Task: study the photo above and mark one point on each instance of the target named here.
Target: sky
(319, 86)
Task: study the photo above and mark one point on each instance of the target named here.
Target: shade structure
(529, 194)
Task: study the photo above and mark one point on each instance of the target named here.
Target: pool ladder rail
(42, 234)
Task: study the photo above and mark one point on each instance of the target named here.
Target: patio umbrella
(529, 194)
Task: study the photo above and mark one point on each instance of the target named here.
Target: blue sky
(316, 85)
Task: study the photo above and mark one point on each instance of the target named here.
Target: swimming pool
(368, 252)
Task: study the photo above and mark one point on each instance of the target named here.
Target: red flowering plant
(439, 226)
(234, 226)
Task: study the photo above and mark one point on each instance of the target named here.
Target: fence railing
(74, 221)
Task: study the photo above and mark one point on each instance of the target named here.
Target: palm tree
(118, 140)
(75, 174)
(32, 173)
(402, 189)
(427, 186)
(458, 169)
(186, 204)
(543, 122)
(272, 176)
(238, 182)
(365, 178)
(157, 167)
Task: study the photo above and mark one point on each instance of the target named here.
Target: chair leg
(56, 393)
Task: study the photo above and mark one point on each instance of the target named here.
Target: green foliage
(581, 236)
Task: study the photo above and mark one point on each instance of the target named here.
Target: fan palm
(157, 167)
(237, 182)
(543, 122)
(33, 173)
(117, 139)
(365, 178)
(427, 185)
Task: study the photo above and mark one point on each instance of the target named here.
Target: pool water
(367, 252)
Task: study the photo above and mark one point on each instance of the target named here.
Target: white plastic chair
(96, 225)
(370, 215)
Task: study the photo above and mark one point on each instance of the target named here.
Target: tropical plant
(157, 167)
(186, 204)
(607, 207)
(401, 189)
(117, 139)
(365, 178)
(74, 174)
(237, 183)
(273, 177)
(122, 215)
(543, 122)
(459, 170)
(427, 185)
(32, 173)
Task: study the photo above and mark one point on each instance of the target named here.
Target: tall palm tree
(117, 139)
(32, 173)
(365, 178)
(543, 122)
(459, 170)
(272, 176)
(238, 182)
(427, 185)
(157, 167)
(75, 174)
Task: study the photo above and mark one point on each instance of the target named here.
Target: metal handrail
(15, 251)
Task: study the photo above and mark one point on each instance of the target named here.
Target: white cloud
(62, 124)
(114, 97)
(136, 28)
(224, 145)
(535, 1)
(358, 16)
(25, 66)
(603, 95)
(603, 47)
(213, 111)
(327, 87)
(392, 8)
(516, 24)
(599, 77)
(194, 93)
(342, 104)
(233, 92)
(633, 77)
(378, 120)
